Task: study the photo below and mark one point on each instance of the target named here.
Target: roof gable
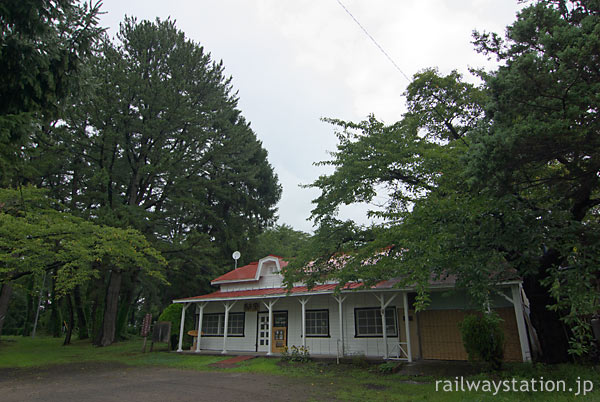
(247, 272)
(250, 272)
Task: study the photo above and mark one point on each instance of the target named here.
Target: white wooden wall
(317, 346)
(245, 343)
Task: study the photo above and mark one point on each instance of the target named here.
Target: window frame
(389, 312)
(322, 335)
(205, 320)
(221, 325)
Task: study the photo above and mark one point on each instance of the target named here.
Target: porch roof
(389, 285)
(268, 292)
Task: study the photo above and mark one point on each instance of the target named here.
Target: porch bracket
(340, 299)
(303, 301)
(384, 305)
(510, 300)
(269, 306)
(228, 305)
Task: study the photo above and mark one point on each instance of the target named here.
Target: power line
(374, 41)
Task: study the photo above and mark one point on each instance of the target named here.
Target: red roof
(270, 292)
(247, 272)
(241, 273)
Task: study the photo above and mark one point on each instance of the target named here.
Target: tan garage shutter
(440, 335)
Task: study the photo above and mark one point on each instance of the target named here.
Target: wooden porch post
(340, 299)
(303, 302)
(407, 326)
(200, 315)
(384, 305)
(185, 306)
(270, 307)
(270, 329)
(228, 307)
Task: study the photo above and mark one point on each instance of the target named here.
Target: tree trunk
(98, 293)
(5, 293)
(31, 299)
(81, 320)
(71, 321)
(55, 319)
(96, 328)
(127, 301)
(109, 323)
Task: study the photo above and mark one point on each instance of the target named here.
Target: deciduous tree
(484, 180)
(37, 237)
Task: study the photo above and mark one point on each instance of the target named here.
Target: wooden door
(279, 341)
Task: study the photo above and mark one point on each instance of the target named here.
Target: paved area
(116, 382)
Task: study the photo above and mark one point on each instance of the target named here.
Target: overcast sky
(296, 61)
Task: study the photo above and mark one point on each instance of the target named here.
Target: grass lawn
(347, 382)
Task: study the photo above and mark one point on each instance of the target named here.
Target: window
(236, 324)
(317, 322)
(214, 324)
(280, 319)
(367, 322)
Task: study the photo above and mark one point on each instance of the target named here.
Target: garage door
(440, 336)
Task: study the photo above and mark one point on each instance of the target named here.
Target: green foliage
(280, 240)
(14, 320)
(576, 296)
(150, 159)
(22, 352)
(296, 354)
(44, 45)
(542, 148)
(483, 338)
(173, 314)
(486, 183)
(165, 151)
(417, 162)
(345, 382)
(388, 367)
(37, 237)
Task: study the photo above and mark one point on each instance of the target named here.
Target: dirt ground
(116, 382)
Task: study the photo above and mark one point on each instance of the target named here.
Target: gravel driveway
(116, 382)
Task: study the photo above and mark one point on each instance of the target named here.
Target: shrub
(295, 354)
(388, 367)
(173, 314)
(483, 338)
